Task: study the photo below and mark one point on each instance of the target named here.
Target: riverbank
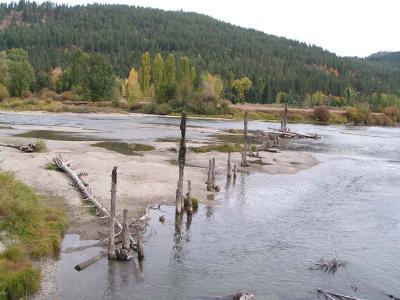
(144, 176)
(266, 112)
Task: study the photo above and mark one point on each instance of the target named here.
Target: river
(265, 231)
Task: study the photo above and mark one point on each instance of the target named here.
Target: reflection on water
(264, 231)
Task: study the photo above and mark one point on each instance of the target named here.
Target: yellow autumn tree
(132, 86)
(241, 86)
(212, 86)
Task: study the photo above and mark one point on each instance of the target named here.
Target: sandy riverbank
(150, 178)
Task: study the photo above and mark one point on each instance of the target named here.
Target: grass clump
(41, 146)
(195, 203)
(32, 230)
(225, 148)
(124, 148)
(50, 167)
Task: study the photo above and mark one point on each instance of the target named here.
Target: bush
(163, 109)
(321, 114)
(392, 112)
(353, 115)
(68, 95)
(3, 92)
(41, 146)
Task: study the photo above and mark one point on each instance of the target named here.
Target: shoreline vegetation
(320, 115)
(31, 229)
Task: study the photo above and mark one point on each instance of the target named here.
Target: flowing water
(265, 231)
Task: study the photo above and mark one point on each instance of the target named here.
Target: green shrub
(163, 109)
(3, 92)
(41, 146)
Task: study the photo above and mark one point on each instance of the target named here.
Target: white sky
(346, 27)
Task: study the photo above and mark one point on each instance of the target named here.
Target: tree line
(50, 33)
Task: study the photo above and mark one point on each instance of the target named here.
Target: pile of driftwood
(23, 148)
(130, 241)
(328, 265)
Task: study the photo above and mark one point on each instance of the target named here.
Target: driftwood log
(335, 296)
(88, 196)
(23, 148)
(90, 261)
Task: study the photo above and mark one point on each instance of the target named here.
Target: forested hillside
(50, 32)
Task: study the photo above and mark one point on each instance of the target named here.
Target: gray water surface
(264, 231)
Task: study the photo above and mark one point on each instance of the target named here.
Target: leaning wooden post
(140, 251)
(244, 153)
(111, 243)
(189, 198)
(125, 231)
(234, 171)
(229, 167)
(181, 163)
(209, 182)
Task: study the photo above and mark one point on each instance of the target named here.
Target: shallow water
(264, 231)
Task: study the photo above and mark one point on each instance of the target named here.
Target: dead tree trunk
(284, 119)
(111, 243)
(125, 231)
(189, 198)
(234, 171)
(181, 162)
(140, 251)
(209, 180)
(229, 167)
(244, 153)
(213, 173)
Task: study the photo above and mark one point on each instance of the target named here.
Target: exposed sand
(150, 178)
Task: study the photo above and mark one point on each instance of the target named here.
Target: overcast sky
(346, 27)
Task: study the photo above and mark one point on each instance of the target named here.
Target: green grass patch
(124, 148)
(54, 135)
(41, 146)
(220, 148)
(32, 230)
(50, 167)
(195, 203)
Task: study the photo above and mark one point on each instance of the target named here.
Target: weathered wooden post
(213, 173)
(181, 162)
(244, 153)
(125, 231)
(189, 198)
(229, 167)
(111, 243)
(140, 251)
(234, 171)
(209, 180)
(284, 118)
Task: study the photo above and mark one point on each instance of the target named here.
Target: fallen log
(90, 261)
(336, 296)
(23, 148)
(64, 166)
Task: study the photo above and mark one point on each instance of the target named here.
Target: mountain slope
(122, 33)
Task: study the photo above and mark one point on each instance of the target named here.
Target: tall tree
(144, 73)
(158, 70)
(133, 91)
(241, 86)
(20, 72)
(170, 69)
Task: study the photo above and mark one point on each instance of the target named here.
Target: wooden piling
(181, 163)
(111, 243)
(244, 153)
(229, 167)
(234, 171)
(209, 180)
(125, 231)
(140, 251)
(213, 173)
(189, 198)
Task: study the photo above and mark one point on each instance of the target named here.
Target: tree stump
(111, 243)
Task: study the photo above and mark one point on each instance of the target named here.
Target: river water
(264, 231)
